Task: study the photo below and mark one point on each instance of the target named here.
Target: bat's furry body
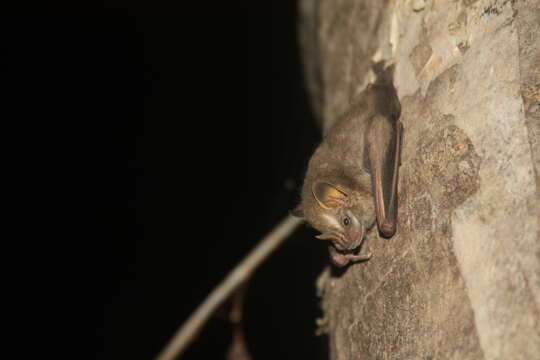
(357, 162)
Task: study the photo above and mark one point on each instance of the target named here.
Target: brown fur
(341, 158)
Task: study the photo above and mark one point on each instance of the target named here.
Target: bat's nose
(355, 238)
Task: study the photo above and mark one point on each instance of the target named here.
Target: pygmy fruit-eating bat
(352, 177)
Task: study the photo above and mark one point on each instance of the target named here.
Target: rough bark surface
(461, 279)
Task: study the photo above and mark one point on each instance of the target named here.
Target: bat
(352, 177)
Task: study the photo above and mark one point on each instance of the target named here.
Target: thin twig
(186, 334)
(238, 349)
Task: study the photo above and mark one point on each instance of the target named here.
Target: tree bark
(461, 278)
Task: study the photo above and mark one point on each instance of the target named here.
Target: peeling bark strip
(461, 278)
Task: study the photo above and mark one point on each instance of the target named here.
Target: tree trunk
(461, 278)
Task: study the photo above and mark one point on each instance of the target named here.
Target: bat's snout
(347, 241)
(354, 237)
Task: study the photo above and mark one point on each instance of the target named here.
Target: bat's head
(327, 208)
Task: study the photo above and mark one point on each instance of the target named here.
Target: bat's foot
(341, 259)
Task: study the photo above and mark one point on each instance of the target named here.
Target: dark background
(171, 140)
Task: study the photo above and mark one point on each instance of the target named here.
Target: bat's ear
(298, 211)
(327, 195)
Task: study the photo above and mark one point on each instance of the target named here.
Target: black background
(172, 140)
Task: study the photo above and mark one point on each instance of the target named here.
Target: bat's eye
(346, 221)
